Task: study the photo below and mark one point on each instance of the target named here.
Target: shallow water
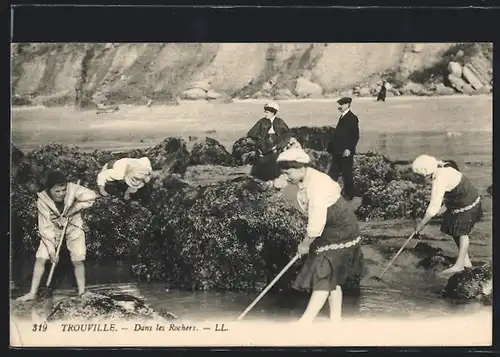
(388, 298)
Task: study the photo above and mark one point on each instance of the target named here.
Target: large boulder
(316, 138)
(441, 89)
(320, 160)
(115, 227)
(105, 306)
(412, 88)
(459, 84)
(171, 155)
(455, 69)
(371, 169)
(397, 199)
(476, 283)
(210, 174)
(284, 94)
(194, 94)
(70, 160)
(210, 152)
(244, 151)
(234, 235)
(307, 89)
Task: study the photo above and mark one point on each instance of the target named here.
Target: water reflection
(389, 300)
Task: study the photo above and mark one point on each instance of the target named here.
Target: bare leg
(461, 259)
(80, 276)
(468, 263)
(335, 303)
(38, 271)
(316, 302)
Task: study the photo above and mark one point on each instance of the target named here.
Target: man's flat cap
(344, 100)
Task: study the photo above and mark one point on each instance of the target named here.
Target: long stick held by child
(59, 202)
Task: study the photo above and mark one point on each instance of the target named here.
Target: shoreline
(264, 100)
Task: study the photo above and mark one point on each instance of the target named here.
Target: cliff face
(92, 74)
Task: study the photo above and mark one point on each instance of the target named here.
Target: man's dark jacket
(346, 135)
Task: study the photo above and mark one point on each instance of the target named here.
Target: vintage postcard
(251, 194)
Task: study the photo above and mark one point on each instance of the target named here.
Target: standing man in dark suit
(342, 146)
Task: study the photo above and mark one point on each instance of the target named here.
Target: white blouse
(271, 129)
(445, 179)
(316, 193)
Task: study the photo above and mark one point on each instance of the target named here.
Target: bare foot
(27, 297)
(454, 269)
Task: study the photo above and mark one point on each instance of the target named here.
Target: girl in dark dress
(266, 132)
(333, 236)
(454, 196)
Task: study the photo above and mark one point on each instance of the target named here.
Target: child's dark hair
(285, 165)
(55, 178)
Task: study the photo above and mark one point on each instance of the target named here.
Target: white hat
(272, 105)
(425, 165)
(294, 154)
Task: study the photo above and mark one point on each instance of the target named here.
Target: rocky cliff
(146, 73)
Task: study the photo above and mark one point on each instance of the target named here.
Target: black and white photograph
(181, 194)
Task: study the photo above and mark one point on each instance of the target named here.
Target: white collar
(303, 184)
(345, 112)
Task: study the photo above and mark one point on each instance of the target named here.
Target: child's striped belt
(338, 246)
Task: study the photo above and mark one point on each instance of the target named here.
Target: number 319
(39, 327)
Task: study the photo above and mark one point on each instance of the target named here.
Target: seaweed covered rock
(70, 160)
(320, 160)
(115, 227)
(370, 170)
(436, 263)
(210, 152)
(244, 151)
(423, 249)
(166, 191)
(397, 199)
(210, 174)
(24, 220)
(171, 155)
(316, 138)
(17, 157)
(230, 235)
(105, 306)
(475, 283)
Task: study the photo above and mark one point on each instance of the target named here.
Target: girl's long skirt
(266, 167)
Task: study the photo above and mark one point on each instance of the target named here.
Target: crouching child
(60, 202)
(124, 177)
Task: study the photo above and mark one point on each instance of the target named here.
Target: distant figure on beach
(332, 241)
(267, 132)
(342, 146)
(55, 208)
(124, 177)
(382, 93)
(454, 196)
